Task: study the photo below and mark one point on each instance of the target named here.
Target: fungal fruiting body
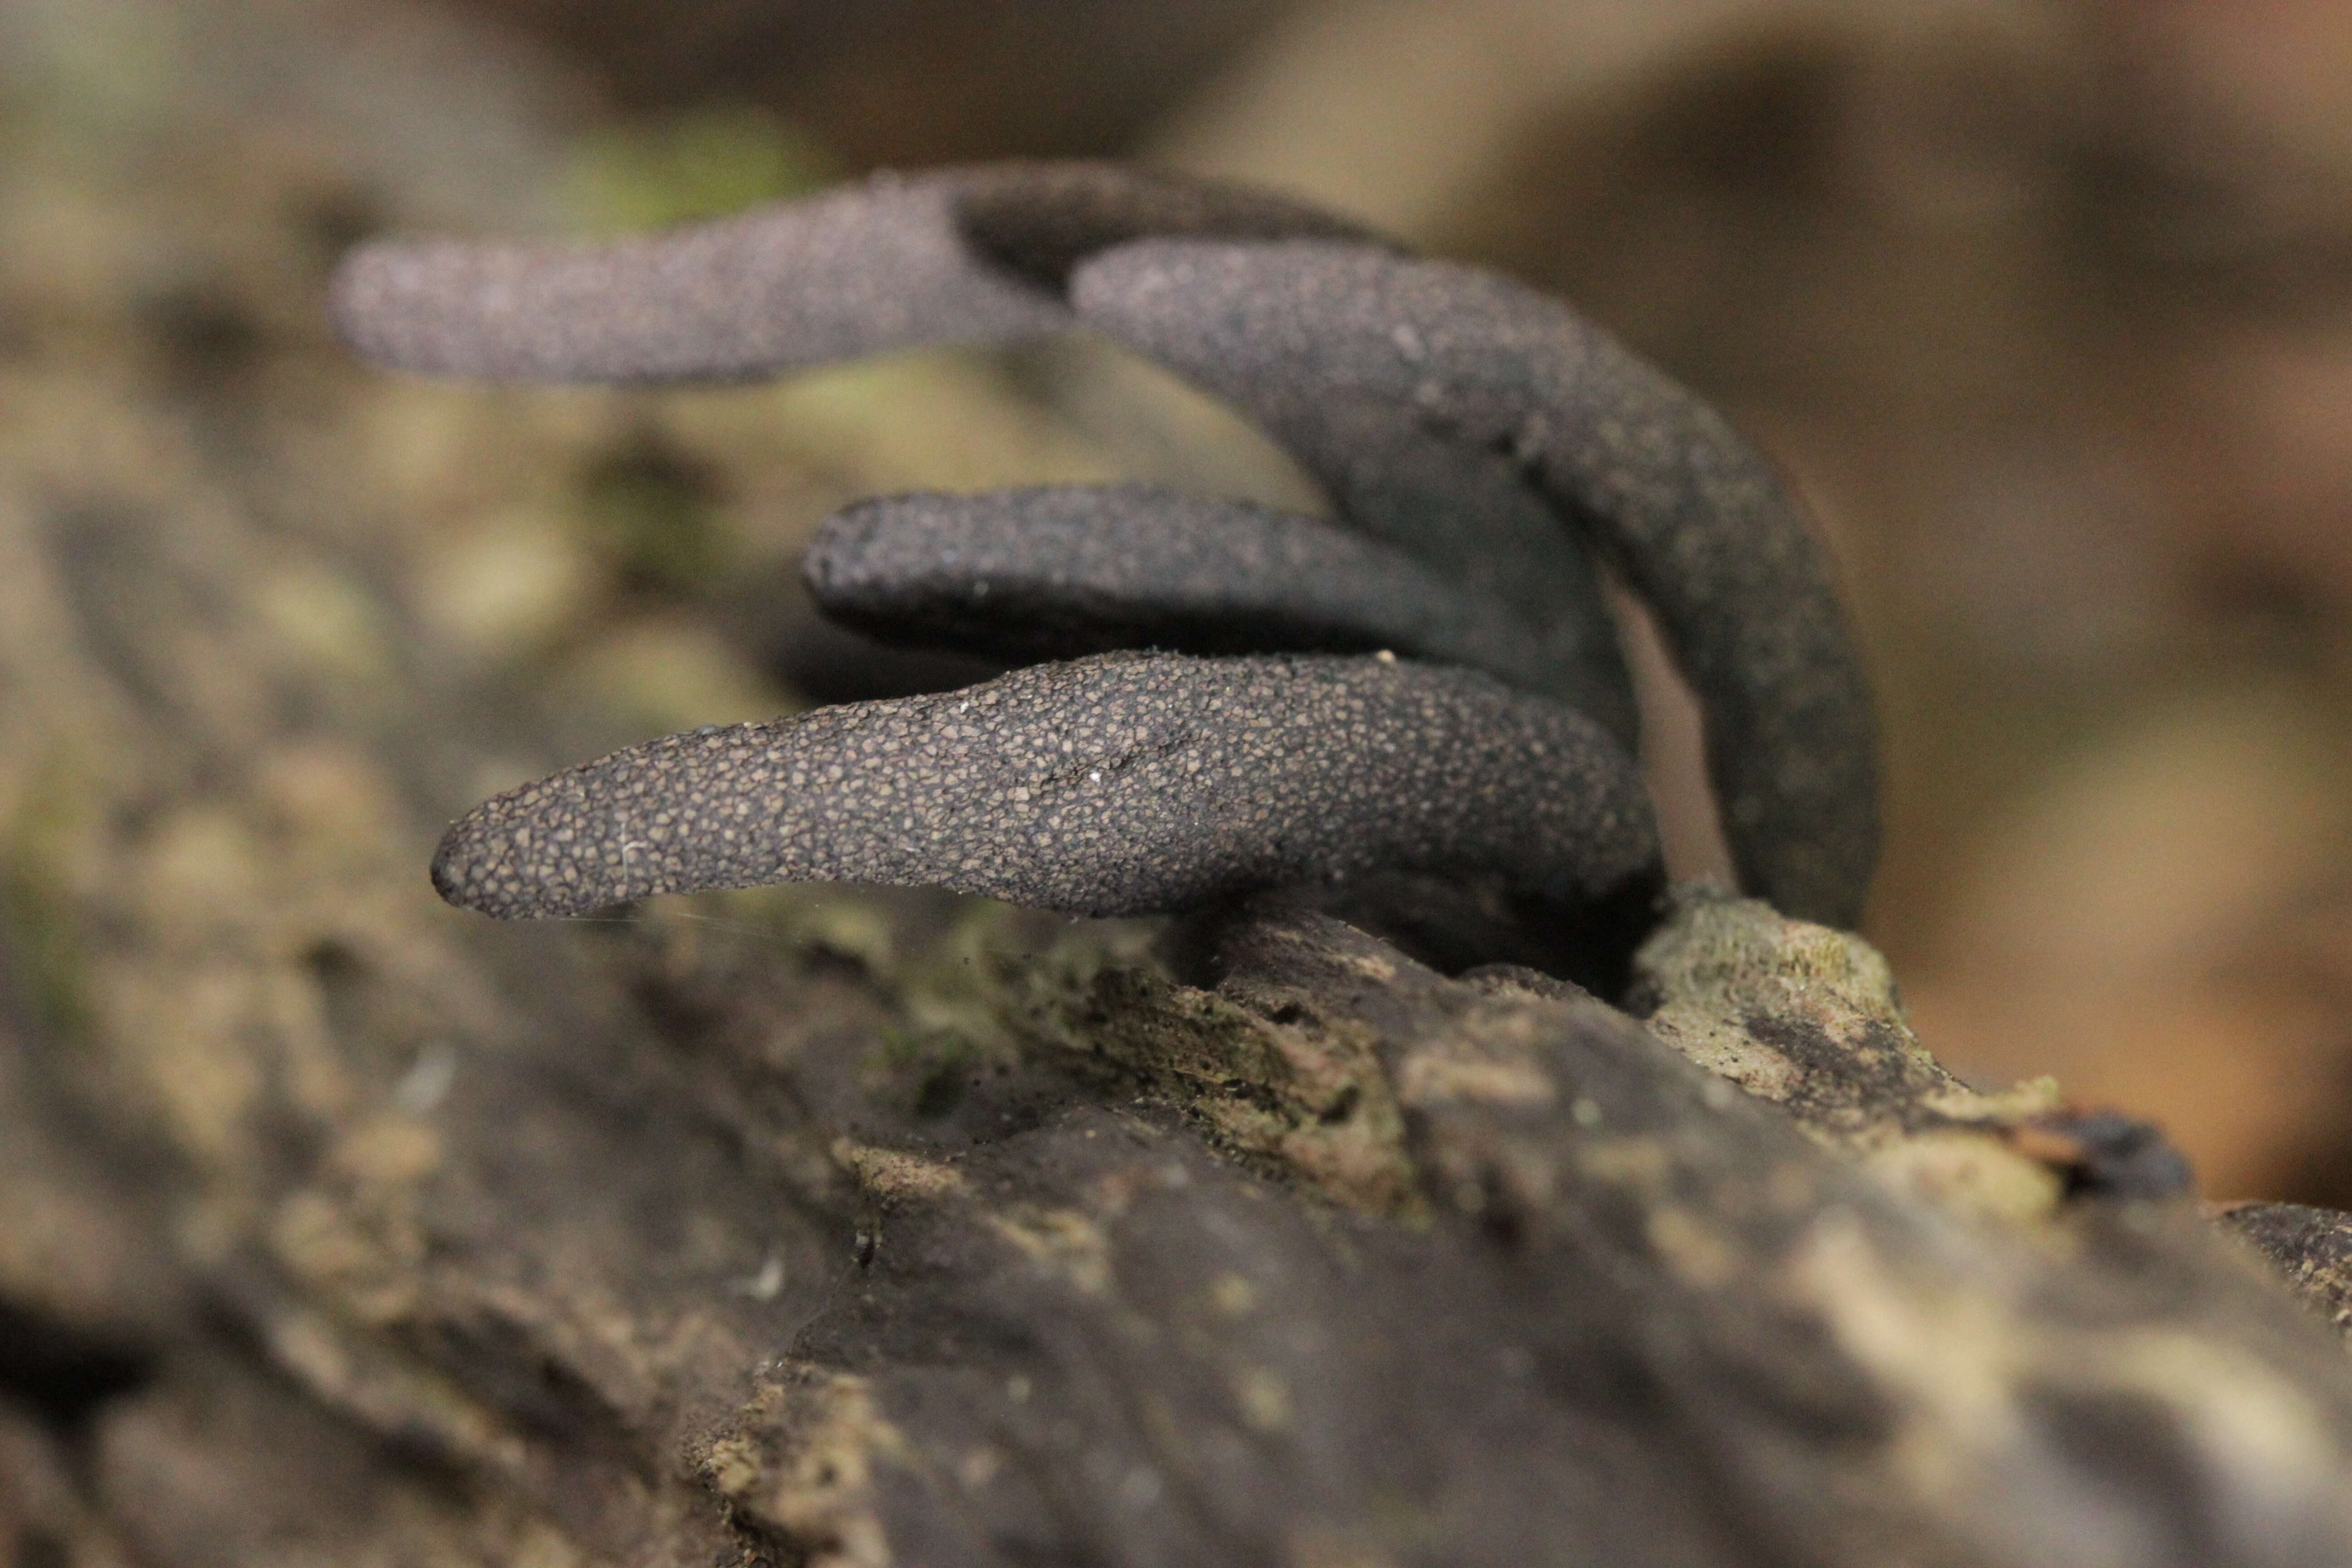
(1427, 682)
(1116, 784)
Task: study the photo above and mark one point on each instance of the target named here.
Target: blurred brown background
(2047, 304)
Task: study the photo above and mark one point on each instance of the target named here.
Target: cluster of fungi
(1423, 690)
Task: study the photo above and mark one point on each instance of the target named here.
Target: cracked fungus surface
(1128, 783)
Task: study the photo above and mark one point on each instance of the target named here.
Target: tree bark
(819, 1226)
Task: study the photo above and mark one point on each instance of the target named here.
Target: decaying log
(2312, 1247)
(827, 1226)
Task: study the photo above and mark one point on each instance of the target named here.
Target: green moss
(925, 1070)
(43, 938)
(649, 507)
(1300, 1100)
(652, 512)
(703, 163)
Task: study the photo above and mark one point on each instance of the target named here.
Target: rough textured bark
(2312, 1246)
(825, 1227)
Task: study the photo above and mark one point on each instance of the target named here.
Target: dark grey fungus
(970, 254)
(1426, 683)
(1649, 478)
(1124, 784)
(1067, 569)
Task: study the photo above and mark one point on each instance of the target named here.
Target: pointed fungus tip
(465, 875)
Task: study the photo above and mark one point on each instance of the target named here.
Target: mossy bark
(827, 1226)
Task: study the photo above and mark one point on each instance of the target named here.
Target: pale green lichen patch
(1294, 1095)
(1808, 1018)
(1722, 962)
(987, 994)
